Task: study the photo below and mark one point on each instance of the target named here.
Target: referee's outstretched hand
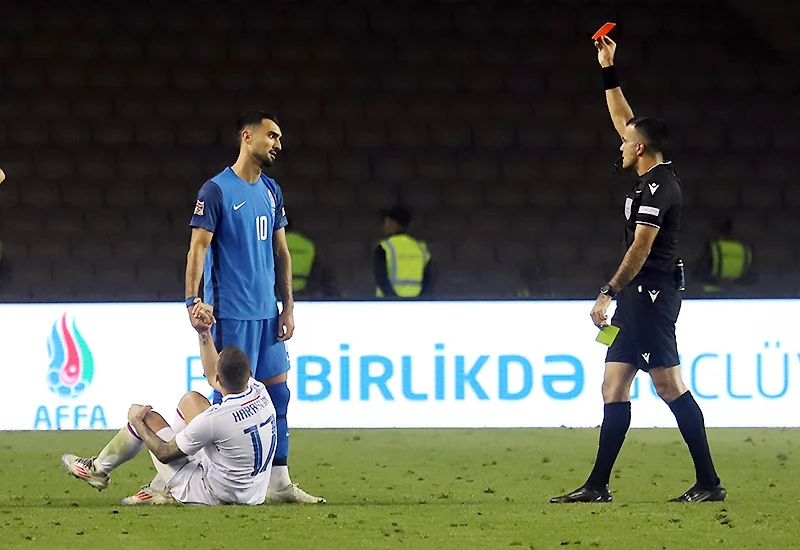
(606, 48)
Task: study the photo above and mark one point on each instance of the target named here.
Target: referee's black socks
(693, 429)
(616, 421)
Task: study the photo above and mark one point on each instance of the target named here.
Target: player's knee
(192, 403)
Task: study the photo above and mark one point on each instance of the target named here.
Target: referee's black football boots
(696, 494)
(584, 494)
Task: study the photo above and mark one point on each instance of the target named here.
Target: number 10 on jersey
(262, 228)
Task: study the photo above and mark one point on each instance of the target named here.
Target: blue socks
(279, 393)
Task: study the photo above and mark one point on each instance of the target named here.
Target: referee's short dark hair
(253, 118)
(654, 131)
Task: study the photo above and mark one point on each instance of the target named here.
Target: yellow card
(607, 335)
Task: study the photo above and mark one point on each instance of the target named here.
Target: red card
(604, 30)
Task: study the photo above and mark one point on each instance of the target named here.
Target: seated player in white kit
(212, 454)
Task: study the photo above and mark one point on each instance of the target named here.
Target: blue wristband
(190, 301)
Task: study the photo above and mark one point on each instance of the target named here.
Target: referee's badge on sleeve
(199, 208)
(628, 206)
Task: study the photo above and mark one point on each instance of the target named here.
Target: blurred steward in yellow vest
(303, 252)
(310, 279)
(402, 264)
(727, 263)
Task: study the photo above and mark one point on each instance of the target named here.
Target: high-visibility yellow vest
(406, 259)
(730, 260)
(303, 252)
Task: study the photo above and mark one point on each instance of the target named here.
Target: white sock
(178, 424)
(123, 447)
(279, 478)
(166, 433)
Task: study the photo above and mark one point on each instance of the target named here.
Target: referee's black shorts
(646, 316)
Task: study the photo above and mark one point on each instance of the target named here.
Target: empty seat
(375, 196)
(450, 135)
(466, 196)
(69, 133)
(475, 250)
(541, 194)
(426, 196)
(49, 247)
(535, 221)
(749, 138)
(154, 134)
(511, 196)
(324, 136)
(478, 168)
(516, 252)
(337, 194)
(562, 251)
(719, 196)
(489, 222)
(137, 248)
(32, 272)
(307, 165)
(393, 167)
(765, 197)
(158, 274)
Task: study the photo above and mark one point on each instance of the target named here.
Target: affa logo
(71, 363)
(70, 372)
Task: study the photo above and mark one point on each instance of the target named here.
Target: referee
(648, 302)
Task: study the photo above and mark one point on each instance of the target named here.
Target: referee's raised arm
(618, 106)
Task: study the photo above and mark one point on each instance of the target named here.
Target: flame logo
(71, 363)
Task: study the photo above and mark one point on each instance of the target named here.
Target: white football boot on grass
(148, 496)
(292, 494)
(83, 468)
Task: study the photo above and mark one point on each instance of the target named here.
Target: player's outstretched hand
(202, 316)
(138, 412)
(599, 317)
(606, 48)
(285, 325)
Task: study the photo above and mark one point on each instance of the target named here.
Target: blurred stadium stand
(486, 119)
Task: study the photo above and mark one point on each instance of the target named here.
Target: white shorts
(186, 480)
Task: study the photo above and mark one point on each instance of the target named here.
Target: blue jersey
(240, 266)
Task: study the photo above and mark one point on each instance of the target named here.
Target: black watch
(608, 290)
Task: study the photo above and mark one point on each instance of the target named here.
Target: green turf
(423, 489)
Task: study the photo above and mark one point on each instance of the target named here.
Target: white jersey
(239, 437)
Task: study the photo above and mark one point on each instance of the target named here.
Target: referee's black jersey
(656, 201)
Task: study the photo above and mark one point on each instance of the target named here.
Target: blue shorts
(259, 340)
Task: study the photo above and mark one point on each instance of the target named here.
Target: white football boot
(292, 494)
(83, 468)
(148, 495)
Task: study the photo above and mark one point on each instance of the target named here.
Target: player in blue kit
(239, 248)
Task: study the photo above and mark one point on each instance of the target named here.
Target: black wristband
(610, 80)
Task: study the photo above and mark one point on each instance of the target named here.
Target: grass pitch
(423, 489)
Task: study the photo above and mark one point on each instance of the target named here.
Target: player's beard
(264, 161)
